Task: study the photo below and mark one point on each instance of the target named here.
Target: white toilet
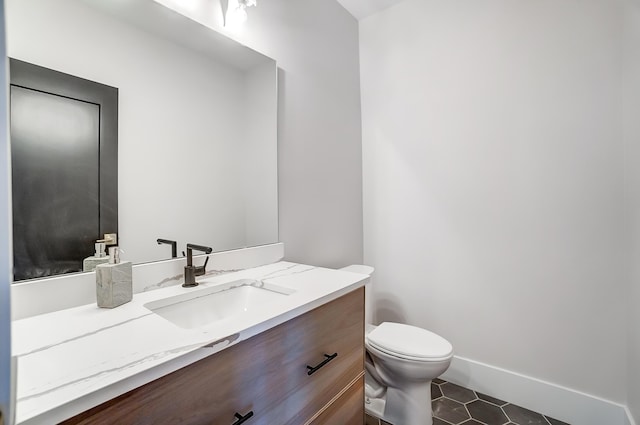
(400, 364)
(401, 361)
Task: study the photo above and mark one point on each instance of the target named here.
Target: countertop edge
(95, 398)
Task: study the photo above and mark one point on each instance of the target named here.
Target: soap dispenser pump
(114, 282)
(100, 257)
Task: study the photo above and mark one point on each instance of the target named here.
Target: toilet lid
(406, 341)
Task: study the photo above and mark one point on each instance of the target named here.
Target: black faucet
(191, 271)
(174, 246)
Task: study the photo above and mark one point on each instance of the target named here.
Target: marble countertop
(72, 360)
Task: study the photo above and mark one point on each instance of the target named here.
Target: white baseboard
(564, 404)
(630, 420)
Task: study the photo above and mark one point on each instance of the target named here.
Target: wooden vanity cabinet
(266, 375)
(346, 409)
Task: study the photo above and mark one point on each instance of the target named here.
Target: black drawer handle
(242, 419)
(313, 369)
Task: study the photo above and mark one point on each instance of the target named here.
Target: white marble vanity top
(74, 359)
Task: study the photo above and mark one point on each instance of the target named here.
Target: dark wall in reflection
(57, 145)
(55, 162)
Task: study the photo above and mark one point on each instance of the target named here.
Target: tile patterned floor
(456, 405)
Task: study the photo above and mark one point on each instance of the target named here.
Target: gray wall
(5, 235)
(315, 43)
(320, 163)
(631, 93)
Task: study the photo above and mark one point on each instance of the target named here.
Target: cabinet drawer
(266, 375)
(335, 328)
(348, 409)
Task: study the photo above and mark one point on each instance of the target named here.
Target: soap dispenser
(114, 284)
(100, 257)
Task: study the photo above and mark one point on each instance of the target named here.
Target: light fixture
(237, 11)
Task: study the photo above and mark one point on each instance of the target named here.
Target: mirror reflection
(64, 157)
(197, 116)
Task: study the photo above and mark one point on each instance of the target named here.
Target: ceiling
(362, 8)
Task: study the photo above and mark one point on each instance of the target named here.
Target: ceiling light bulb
(236, 12)
(240, 13)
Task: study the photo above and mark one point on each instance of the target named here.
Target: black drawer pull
(242, 419)
(313, 369)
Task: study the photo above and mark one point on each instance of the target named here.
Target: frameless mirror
(197, 117)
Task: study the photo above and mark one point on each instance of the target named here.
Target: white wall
(631, 91)
(6, 245)
(315, 43)
(181, 126)
(493, 199)
(259, 153)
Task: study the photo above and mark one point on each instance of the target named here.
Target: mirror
(197, 119)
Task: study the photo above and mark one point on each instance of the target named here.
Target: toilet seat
(409, 342)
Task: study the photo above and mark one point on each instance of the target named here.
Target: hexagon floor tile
(487, 412)
(456, 405)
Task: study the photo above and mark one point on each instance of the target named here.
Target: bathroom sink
(206, 305)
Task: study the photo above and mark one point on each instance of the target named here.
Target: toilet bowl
(400, 364)
(401, 361)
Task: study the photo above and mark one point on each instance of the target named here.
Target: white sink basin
(205, 305)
